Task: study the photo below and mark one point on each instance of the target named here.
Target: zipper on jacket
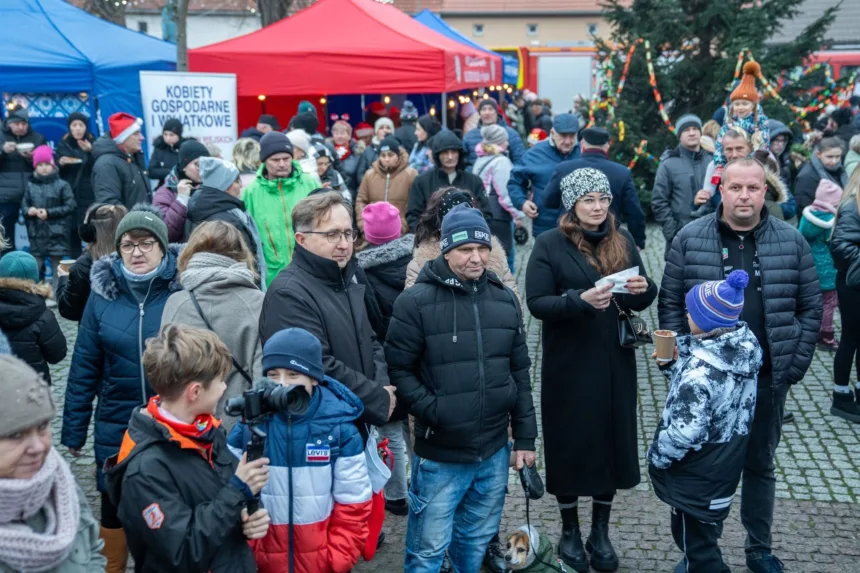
(387, 181)
(140, 305)
(286, 216)
(480, 363)
(271, 239)
(292, 540)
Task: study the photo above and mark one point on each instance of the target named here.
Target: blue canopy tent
(511, 67)
(51, 47)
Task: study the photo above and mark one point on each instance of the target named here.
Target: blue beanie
(295, 349)
(19, 265)
(718, 304)
(463, 225)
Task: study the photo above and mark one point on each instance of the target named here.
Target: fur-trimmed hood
(775, 187)
(107, 279)
(429, 250)
(375, 255)
(42, 289)
(22, 302)
(820, 219)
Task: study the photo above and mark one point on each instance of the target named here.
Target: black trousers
(698, 541)
(847, 356)
(109, 519)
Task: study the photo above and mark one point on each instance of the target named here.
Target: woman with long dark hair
(588, 382)
(75, 158)
(97, 230)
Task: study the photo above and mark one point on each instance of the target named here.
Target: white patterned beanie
(582, 182)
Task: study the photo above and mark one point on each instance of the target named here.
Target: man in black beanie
(183, 180)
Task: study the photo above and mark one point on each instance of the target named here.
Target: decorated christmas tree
(681, 56)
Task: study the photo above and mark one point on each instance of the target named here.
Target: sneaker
(845, 407)
(396, 506)
(764, 563)
(788, 417)
(494, 558)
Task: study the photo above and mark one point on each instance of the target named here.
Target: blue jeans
(454, 507)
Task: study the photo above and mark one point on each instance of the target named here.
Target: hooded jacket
(53, 235)
(79, 175)
(457, 354)
(270, 203)
(540, 558)
(164, 158)
(14, 167)
(119, 178)
(181, 511)
(429, 250)
(845, 243)
(428, 183)
(174, 209)
(319, 493)
(816, 227)
(533, 175)
(472, 138)
(680, 176)
(315, 294)
(380, 184)
(385, 269)
(700, 445)
(32, 329)
(790, 291)
(778, 128)
(107, 359)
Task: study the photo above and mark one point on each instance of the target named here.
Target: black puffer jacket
(164, 158)
(457, 354)
(14, 167)
(53, 235)
(119, 178)
(790, 289)
(845, 243)
(74, 290)
(385, 269)
(32, 329)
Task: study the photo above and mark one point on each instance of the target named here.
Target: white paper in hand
(619, 280)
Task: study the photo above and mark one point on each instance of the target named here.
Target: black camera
(255, 406)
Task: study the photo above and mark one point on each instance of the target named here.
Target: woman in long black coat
(588, 383)
(75, 158)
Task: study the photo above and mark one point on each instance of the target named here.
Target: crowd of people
(363, 286)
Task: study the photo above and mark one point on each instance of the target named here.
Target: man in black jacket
(625, 201)
(17, 142)
(782, 307)
(119, 175)
(448, 171)
(457, 354)
(318, 292)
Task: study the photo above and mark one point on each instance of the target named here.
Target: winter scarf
(204, 267)
(201, 432)
(139, 284)
(839, 176)
(53, 491)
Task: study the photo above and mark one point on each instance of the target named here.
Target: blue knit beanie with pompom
(718, 304)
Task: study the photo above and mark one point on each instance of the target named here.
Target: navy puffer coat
(790, 290)
(106, 364)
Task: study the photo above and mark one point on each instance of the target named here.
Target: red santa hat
(123, 125)
(363, 129)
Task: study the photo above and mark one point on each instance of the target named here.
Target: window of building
(142, 26)
(477, 29)
(532, 29)
(592, 29)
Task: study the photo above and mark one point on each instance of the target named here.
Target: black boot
(603, 556)
(570, 547)
(845, 407)
(494, 558)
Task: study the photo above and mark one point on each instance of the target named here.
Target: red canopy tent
(347, 47)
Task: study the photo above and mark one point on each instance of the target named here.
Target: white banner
(204, 103)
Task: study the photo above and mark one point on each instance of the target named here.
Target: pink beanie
(827, 196)
(381, 222)
(43, 154)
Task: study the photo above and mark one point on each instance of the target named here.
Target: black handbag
(633, 331)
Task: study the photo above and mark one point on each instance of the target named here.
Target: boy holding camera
(319, 497)
(180, 492)
(700, 446)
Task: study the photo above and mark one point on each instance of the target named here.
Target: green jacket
(85, 556)
(270, 202)
(545, 561)
(816, 227)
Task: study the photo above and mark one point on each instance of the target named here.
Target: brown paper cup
(664, 344)
(66, 264)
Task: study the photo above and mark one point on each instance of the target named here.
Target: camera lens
(235, 406)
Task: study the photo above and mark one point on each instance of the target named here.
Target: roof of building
(842, 31)
(222, 6)
(500, 7)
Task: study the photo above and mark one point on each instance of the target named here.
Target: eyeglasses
(335, 236)
(605, 201)
(144, 246)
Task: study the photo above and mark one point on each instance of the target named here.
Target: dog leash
(534, 489)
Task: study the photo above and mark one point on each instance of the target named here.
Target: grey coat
(232, 305)
(680, 175)
(792, 296)
(86, 556)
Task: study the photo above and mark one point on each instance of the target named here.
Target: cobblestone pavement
(817, 524)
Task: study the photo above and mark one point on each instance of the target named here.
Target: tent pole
(444, 109)
(362, 107)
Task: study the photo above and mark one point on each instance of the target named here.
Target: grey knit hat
(143, 217)
(688, 120)
(582, 182)
(217, 173)
(26, 397)
(494, 134)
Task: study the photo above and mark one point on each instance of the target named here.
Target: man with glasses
(625, 205)
(319, 293)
